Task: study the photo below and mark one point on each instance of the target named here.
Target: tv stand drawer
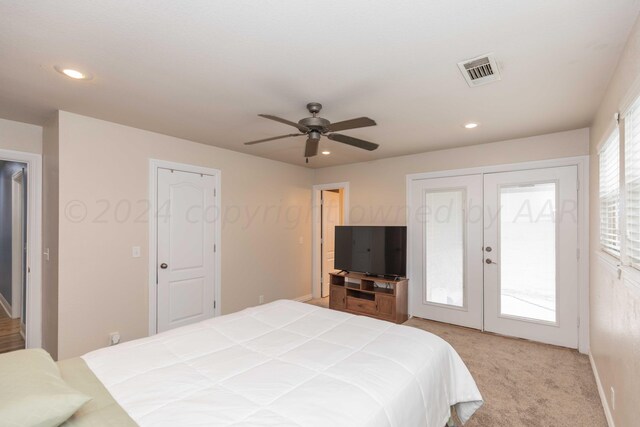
(361, 305)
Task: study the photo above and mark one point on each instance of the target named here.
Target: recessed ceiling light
(326, 153)
(71, 73)
(471, 125)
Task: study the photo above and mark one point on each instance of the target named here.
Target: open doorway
(331, 215)
(331, 210)
(13, 254)
(21, 178)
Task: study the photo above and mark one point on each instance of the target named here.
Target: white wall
(377, 189)
(615, 306)
(20, 136)
(103, 166)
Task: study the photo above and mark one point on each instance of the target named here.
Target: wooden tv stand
(384, 299)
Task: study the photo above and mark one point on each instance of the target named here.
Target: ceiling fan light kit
(315, 127)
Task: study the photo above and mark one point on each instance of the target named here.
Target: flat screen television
(375, 250)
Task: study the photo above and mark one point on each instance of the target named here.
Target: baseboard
(304, 298)
(6, 306)
(603, 396)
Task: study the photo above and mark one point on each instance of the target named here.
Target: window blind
(610, 195)
(632, 184)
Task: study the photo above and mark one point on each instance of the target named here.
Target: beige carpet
(523, 383)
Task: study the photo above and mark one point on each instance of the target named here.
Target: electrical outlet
(613, 399)
(261, 299)
(114, 338)
(135, 251)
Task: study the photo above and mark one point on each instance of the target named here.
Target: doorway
(331, 215)
(498, 251)
(13, 251)
(184, 261)
(30, 329)
(330, 209)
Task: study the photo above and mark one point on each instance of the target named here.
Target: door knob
(163, 265)
(488, 249)
(489, 261)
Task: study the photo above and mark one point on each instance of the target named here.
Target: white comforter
(288, 364)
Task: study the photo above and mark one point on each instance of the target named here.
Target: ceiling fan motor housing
(315, 123)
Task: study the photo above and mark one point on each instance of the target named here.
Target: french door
(446, 260)
(498, 252)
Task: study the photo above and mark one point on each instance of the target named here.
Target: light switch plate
(135, 251)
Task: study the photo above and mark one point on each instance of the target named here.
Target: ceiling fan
(315, 127)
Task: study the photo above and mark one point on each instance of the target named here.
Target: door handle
(163, 265)
(490, 261)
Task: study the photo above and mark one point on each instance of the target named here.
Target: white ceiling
(203, 70)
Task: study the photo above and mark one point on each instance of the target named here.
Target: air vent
(480, 70)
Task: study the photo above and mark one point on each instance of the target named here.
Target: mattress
(288, 364)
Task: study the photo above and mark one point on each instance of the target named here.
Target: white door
(531, 265)
(446, 250)
(331, 216)
(185, 259)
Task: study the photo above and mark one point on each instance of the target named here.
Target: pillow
(32, 393)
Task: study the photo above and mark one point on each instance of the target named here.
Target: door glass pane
(528, 251)
(444, 216)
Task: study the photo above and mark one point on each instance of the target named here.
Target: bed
(280, 364)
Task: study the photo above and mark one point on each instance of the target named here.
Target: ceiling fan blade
(360, 122)
(273, 138)
(349, 140)
(311, 149)
(286, 122)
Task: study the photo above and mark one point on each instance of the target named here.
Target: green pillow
(32, 393)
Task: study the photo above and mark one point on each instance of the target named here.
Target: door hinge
(215, 192)
(214, 305)
(578, 253)
(214, 248)
(578, 322)
(578, 185)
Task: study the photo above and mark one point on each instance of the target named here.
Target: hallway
(10, 338)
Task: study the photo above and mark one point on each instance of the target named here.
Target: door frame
(34, 243)
(17, 297)
(154, 165)
(582, 163)
(316, 277)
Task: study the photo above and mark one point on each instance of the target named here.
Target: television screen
(375, 250)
